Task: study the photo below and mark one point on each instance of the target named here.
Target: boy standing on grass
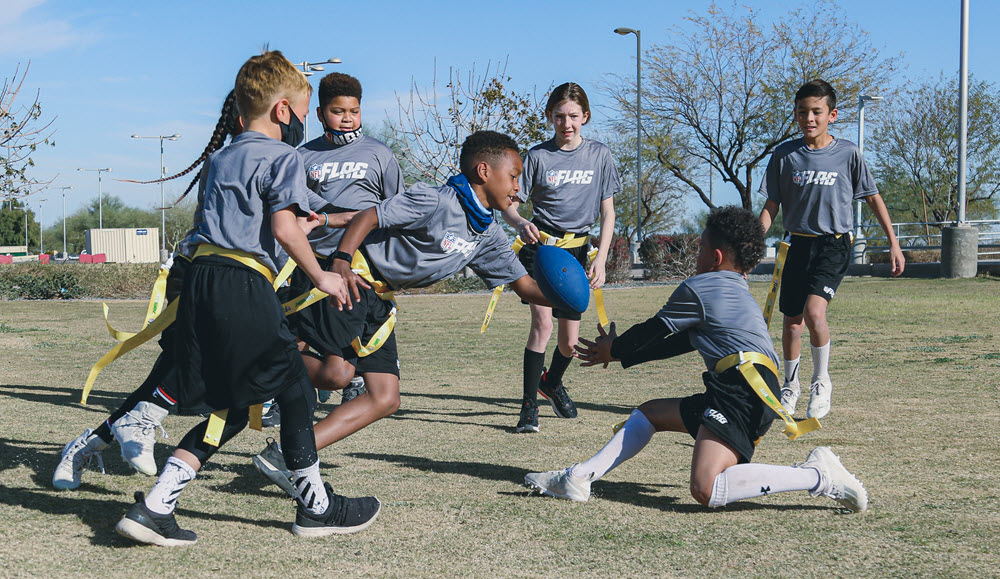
(233, 348)
(713, 313)
(814, 180)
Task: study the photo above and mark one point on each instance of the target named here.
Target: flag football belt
(360, 266)
(567, 241)
(779, 266)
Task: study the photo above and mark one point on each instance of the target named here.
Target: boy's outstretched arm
(768, 213)
(285, 226)
(527, 289)
(877, 205)
(645, 342)
(526, 229)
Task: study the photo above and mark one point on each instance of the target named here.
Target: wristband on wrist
(343, 255)
(327, 219)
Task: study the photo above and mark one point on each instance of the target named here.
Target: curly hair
(489, 146)
(338, 84)
(738, 231)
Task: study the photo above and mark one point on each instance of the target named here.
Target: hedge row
(35, 281)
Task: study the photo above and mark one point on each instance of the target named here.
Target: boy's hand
(528, 232)
(597, 275)
(598, 351)
(352, 280)
(307, 224)
(333, 284)
(897, 260)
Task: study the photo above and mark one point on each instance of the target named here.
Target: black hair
(738, 231)
(338, 84)
(228, 125)
(489, 146)
(817, 88)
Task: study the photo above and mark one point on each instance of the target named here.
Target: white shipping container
(124, 245)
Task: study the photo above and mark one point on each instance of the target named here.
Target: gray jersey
(242, 186)
(353, 176)
(815, 187)
(722, 316)
(566, 187)
(424, 237)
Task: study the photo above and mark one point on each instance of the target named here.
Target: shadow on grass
(99, 401)
(638, 494)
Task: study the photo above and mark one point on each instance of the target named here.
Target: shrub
(619, 266)
(39, 282)
(911, 255)
(669, 256)
(35, 281)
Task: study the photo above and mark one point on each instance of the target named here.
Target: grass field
(916, 403)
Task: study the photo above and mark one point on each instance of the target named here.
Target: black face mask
(292, 132)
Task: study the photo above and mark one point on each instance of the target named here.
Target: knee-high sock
(746, 481)
(533, 362)
(558, 367)
(821, 361)
(175, 476)
(626, 443)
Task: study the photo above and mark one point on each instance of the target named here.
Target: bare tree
(432, 123)
(721, 94)
(22, 132)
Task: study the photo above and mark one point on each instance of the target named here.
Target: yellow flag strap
(745, 362)
(157, 297)
(247, 259)
(779, 265)
(568, 241)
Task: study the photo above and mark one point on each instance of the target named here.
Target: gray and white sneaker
(561, 484)
(136, 434)
(271, 463)
(76, 457)
(790, 396)
(819, 398)
(835, 481)
(354, 389)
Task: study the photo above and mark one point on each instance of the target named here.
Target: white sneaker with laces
(136, 434)
(790, 396)
(561, 484)
(819, 398)
(76, 457)
(835, 481)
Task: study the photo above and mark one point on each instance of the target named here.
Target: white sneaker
(819, 398)
(76, 457)
(790, 396)
(561, 484)
(136, 434)
(835, 481)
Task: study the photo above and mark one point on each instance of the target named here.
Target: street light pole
(41, 233)
(163, 203)
(100, 196)
(859, 239)
(307, 69)
(638, 129)
(64, 219)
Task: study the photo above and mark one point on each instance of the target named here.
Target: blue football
(562, 279)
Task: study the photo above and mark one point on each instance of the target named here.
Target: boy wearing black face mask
(233, 346)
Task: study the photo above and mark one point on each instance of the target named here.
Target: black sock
(533, 362)
(557, 368)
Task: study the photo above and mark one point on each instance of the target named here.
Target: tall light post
(638, 130)
(41, 233)
(308, 68)
(163, 203)
(859, 238)
(63, 189)
(100, 196)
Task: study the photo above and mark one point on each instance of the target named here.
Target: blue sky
(110, 69)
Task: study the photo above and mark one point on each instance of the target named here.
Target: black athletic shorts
(175, 282)
(232, 345)
(527, 258)
(330, 331)
(814, 266)
(731, 410)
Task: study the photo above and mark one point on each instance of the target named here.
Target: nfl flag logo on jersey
(797, 177)
(315, 172)
(448, 242)
(552, 177)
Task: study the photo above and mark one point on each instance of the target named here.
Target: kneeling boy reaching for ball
(713, 313)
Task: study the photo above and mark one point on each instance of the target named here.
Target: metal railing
(930, 239)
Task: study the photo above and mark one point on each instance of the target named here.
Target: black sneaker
(272, 417)
(343, 515)
(529, 417)
(557, 395)
(143, 525)
(271, 463)
(354, 389)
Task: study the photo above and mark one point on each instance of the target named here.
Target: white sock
(309, 485)
(821, 361)
(626, 443)
(176, 474)
(792, 370)
(746, 481)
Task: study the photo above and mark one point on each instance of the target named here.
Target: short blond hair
(267, 77)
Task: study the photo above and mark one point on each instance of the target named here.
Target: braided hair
(228, 126)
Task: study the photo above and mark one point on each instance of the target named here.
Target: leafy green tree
(914, 152)
(720, 94)
(12, 225)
